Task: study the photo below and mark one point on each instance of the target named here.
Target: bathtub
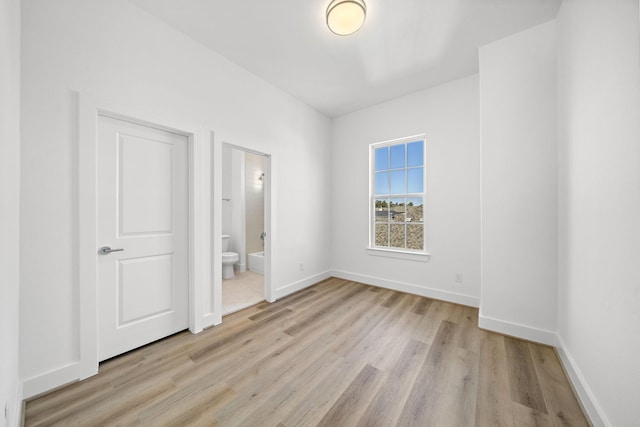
(256, 262)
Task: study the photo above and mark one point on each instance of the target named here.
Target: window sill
(389, 253)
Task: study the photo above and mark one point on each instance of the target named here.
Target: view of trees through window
(398, 199)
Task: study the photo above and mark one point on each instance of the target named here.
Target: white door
(142, 204)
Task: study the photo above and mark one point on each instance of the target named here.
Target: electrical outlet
(301, 267)
(458, 277)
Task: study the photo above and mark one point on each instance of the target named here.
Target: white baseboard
(301, 284)
(53, 379)
(211, 319)
(589, 403)
(516, 330)
(423, 291)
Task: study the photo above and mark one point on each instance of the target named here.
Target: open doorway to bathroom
(245, 201)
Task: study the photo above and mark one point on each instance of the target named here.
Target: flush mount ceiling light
(345, 17)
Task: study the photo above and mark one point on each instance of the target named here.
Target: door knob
(107, 250)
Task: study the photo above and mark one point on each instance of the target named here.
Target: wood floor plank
(195, 407)
(392, 300)
(311, 406)
(421, 402)
(395, 336)
(562, 405)
(494, 406)
(371, 339)
(441, 310)
(351, 337)
(154, 370)
(345, 315)
(255, 383)
(529, 417)
(304, 294)
(426, 330)
(422, 306)
(337, 353)
(348, 408)
(221, 344)
(468, 336)
(445, 392)
(319, 401)
(60, 403)
(115, 405)
(227, 363)
(314, 405)
(456, 405)
(523, 381)
(280, 361)
(290, 392)
(322, 311)
(385, 408)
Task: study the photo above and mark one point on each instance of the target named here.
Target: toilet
(228, 259)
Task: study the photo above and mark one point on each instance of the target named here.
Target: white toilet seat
(229, 256)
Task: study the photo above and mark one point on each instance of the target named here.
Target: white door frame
(199, 169)
(269, 294)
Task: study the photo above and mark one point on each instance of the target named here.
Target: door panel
(145, 288)
(145, 198)
(142, 209)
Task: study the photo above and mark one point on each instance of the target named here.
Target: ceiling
(404, 45)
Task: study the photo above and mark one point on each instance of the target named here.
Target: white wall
(116, 51)
(227, 193)
(10, 384)
(448, 115)
(599, 194)
(238, 221)
(254, 203)
(519, 176)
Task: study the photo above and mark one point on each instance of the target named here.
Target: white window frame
(401, 253)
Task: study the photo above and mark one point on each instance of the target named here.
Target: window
(397, 196)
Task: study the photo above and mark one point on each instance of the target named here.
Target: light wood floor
(336, 354)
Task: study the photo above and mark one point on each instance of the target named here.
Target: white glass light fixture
(345, 17)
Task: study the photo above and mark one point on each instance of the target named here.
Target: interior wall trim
(47, 381)
(581, 388)
(517, 330)
(423, 291)
(301, 284)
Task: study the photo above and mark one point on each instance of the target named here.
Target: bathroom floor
(244, 290)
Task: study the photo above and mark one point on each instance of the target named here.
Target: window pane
(415, 180)
(397, 156)
(397, 209)
(415, 209)
(397, 182)
(382, 158)
(382, 183)
(396, 239)
(398, 220)
(415, 236)
(382, 235)
(382, 210)
(415, 153)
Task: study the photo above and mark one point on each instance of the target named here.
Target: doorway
(245, 206)
(198, 142)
